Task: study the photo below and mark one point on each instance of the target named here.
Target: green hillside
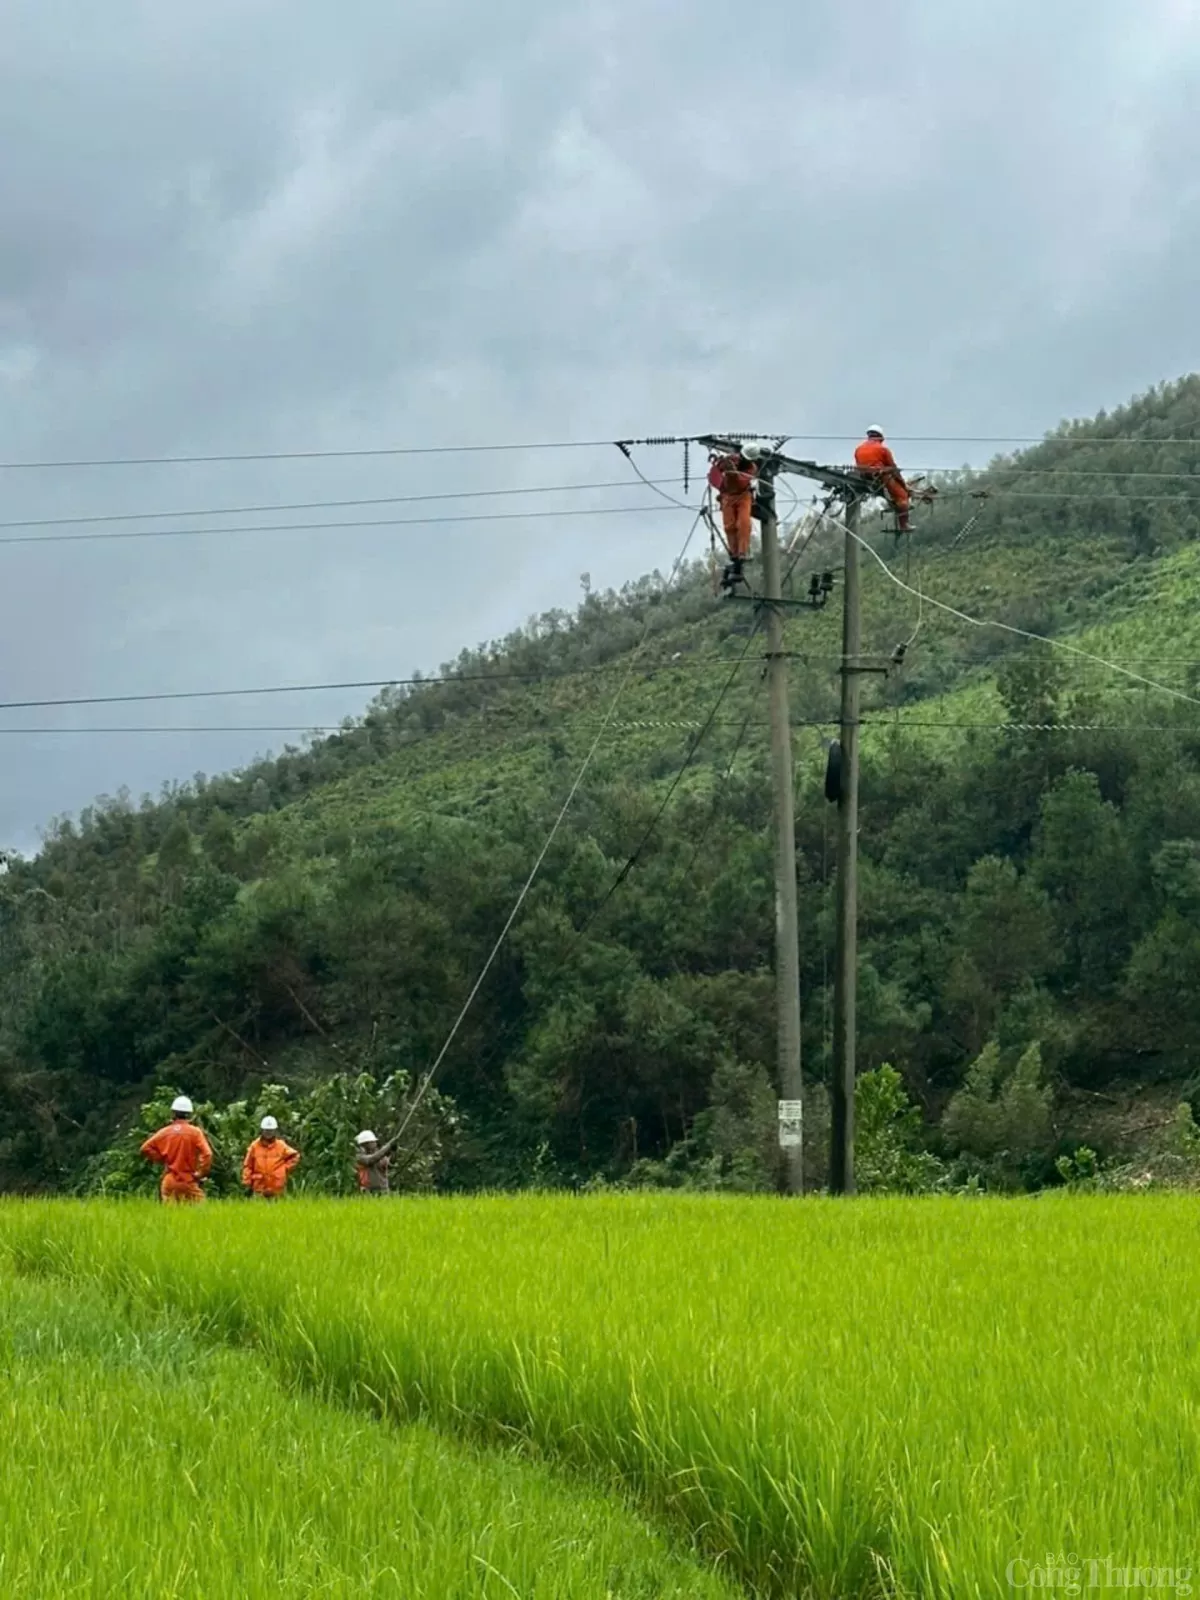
(1030, 842)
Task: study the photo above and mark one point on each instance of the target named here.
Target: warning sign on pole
(790, 1124)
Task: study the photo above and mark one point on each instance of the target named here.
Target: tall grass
(136, 1465)
(887, 1398)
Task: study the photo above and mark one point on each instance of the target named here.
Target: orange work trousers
(735, 514)
(180, 1191)
(897, 492)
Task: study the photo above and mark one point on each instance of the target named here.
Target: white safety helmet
(182, 1103)
(875, 429)
(366, 1137)
(268, 1125)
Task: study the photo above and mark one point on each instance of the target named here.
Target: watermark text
(1068, 1573)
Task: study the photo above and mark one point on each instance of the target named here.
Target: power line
(689, 757)
(328, 505)
(955, 655)
(631, 861)
(221, 694)
(1038, 727)
(304, 455)
(698, 663)
(427, 1080)
(342, 525)
(385, 451)
(224, 727)
(325, 527)
(695, 664)
(652, 483)
(1182, 498)
(996, 438)
(884, 720)
(719, 788)
(1024, 633)
(1192, 475)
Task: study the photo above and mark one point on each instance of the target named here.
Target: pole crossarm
(847, 481)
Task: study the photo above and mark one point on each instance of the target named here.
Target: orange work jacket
(266, 1167)
(373, 1172)
(182, 1149)
(729, 477)
(872, 455)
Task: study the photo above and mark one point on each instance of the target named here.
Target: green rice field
(610, 1396)
(136, 1461)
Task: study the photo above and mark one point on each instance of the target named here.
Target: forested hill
(1030, 859)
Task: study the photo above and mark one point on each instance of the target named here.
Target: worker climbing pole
(743, 474)
(733, 475)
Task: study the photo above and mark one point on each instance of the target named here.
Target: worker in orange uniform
(733, 477)
(269, 1162)
(873, 456)
(183, 1150)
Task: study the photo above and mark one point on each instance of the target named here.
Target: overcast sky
(278, 225)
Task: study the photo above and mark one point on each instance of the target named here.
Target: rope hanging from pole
(427, 1079)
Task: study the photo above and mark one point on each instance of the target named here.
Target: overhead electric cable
(505, 447)
(302, 455)
(1024, 633)
(1000, 438)
(325, 527)
(689, 757)
(344, 525)
(697, 663)
(431, 1074)
(327, 505)
(650, 484)
(641, 724)
(980, 474)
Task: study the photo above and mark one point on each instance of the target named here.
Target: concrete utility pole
(845, 982)
(850, 485)
(787, 936)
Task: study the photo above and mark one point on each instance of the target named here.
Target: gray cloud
(271, 225)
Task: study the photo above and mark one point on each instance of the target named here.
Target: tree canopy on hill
(1034, 881)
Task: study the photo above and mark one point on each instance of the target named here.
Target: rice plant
(140, 1464)
(887, 1398)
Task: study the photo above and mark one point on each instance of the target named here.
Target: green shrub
(887, 1137)
(321, 1123)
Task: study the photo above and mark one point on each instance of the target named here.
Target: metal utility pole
(845, 984)
(787, 936)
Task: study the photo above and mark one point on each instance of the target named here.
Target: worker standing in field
(873, 456)
(373, 1161)
(183, 1150)
(269, 1163)
(733, 477)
